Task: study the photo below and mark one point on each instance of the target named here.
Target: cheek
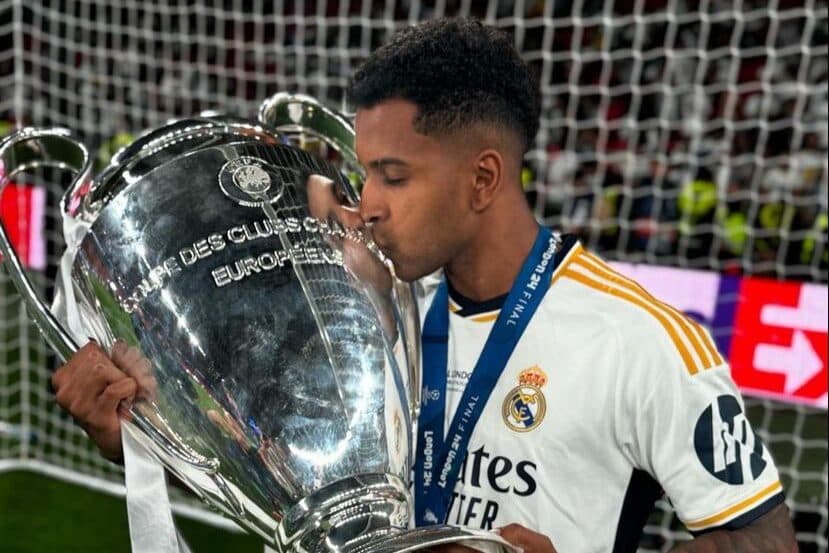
(426, 213)
(428, 219)
(433, 229)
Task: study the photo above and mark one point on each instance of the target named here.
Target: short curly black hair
(458, 72)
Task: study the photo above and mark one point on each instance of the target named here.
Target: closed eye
(393, 181)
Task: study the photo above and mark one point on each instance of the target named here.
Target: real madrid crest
(525, 405)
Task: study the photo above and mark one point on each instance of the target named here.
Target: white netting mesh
(677, 132)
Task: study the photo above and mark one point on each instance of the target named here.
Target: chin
(406, 272)
(406, 276)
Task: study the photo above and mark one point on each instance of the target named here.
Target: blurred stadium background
(684, 139)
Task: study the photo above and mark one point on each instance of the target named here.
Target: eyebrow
(383, 162)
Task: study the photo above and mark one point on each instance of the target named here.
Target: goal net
(681, 134)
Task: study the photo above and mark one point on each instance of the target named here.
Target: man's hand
(91, 388)
(529, 541)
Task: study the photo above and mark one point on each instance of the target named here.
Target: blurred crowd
(673, 131)
(693, 141)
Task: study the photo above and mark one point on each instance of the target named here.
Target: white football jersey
(609, 398)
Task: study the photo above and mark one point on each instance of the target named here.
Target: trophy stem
(421, 539)
(346, 516)
(366, 514)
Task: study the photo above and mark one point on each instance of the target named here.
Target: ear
(488, 175)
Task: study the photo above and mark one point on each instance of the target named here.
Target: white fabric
(618, 397)
(148, 506)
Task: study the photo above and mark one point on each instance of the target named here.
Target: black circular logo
(251, 181)
(726, 445)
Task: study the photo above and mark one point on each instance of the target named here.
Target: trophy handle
(29, 149)
(25, 150)
(298, 114)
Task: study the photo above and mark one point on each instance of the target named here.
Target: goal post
(683, 134)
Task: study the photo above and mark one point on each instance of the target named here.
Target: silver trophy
(276, 354)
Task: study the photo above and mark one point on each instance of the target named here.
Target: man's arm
(771, 533)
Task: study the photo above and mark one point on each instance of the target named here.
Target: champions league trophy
(277, 355)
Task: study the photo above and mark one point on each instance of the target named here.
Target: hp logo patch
(726, 445)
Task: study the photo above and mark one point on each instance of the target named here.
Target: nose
(373, 208)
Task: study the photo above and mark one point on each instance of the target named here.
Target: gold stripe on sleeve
(692, 331)
(658, 315)
(743, 505)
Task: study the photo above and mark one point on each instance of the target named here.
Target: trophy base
(366, 514)
(422, 539)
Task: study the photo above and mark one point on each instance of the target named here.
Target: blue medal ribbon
(440, 456)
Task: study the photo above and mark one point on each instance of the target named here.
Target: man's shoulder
(646, 327)
(588, 287)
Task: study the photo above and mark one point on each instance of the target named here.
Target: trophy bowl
(277, 356)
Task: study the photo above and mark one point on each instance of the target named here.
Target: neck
(488, 266)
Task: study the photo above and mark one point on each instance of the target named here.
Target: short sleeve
(692, 435)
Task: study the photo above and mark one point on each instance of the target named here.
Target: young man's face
(417, 189)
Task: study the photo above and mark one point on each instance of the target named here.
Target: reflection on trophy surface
(276, 354)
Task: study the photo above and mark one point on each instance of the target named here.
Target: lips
(386, 249)
(382, 244)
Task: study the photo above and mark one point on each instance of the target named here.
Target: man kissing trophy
(278, 355)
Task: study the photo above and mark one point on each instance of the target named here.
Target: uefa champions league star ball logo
(525, 405)
(250, 181)
(429, 395)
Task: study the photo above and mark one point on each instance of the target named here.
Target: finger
(509, 530)
(84, 357)
(132, 361)
(89, 383)
(103, 368)
(528, 540)
(95, 410)
(78, 390)
(124, 412)
(123, 390)
(80, 406)
(515, 534)
(119, 350)
(127, 358)
(78, 396)
(147, 385)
